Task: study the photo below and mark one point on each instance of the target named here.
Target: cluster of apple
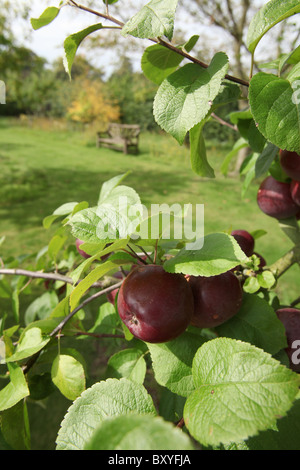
(279, 199)
(157, 306)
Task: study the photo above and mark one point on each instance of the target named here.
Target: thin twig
(224, 123)
(37, 275)
(65, 320)
(160, 41)
(42, 275)
(134, 255)
(32, 360)
(97, 13)
(145, 253)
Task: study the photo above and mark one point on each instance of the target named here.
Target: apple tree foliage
(230, 387)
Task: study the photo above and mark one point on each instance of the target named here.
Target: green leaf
(199, 161)
(16, 418)
(55, 245)
(265, 159)
(186, 96)
(251, 285)
(266, 279)
(103, 400)
(5, 289)
(256, 323)
(41, 307)
(267, 17)
(172, 362)
(136, 432)
(30, 343)
(78, 272)
(171, 406)
(88, 281)
(284, 437)
(65, 209)
(108, 186)
(239, 144)
(220, 252)
(158, 61)
(16, 390)
(275, 111)
(115, 217)
(46, 17)
(155, 19)
(68, 375)
(240, 390)
(106, 320)
(72, 43)
(128, 363)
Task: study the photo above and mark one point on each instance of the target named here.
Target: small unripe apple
(245, 240)
(274, 199)
(156, 306)
(290, 317)
(216, 299)
(290, 163)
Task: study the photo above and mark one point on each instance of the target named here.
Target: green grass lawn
(42, 169)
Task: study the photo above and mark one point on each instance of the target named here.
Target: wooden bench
(120, 137)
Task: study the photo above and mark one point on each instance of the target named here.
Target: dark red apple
(290, 317)
(245, 240)
(295, 192)
(274, 199)
(290, 163)
(156, 306)
(216, 299)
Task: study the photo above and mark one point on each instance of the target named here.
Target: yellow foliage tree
(91, 104)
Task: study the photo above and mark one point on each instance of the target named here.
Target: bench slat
(124, 135)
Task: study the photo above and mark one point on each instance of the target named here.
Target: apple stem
(134, 255)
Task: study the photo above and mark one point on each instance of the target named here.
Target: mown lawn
(42, 169)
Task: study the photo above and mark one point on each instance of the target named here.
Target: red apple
(290, 163)
(216, 299)
(274, 199)
(155, 305)
(245, 240)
